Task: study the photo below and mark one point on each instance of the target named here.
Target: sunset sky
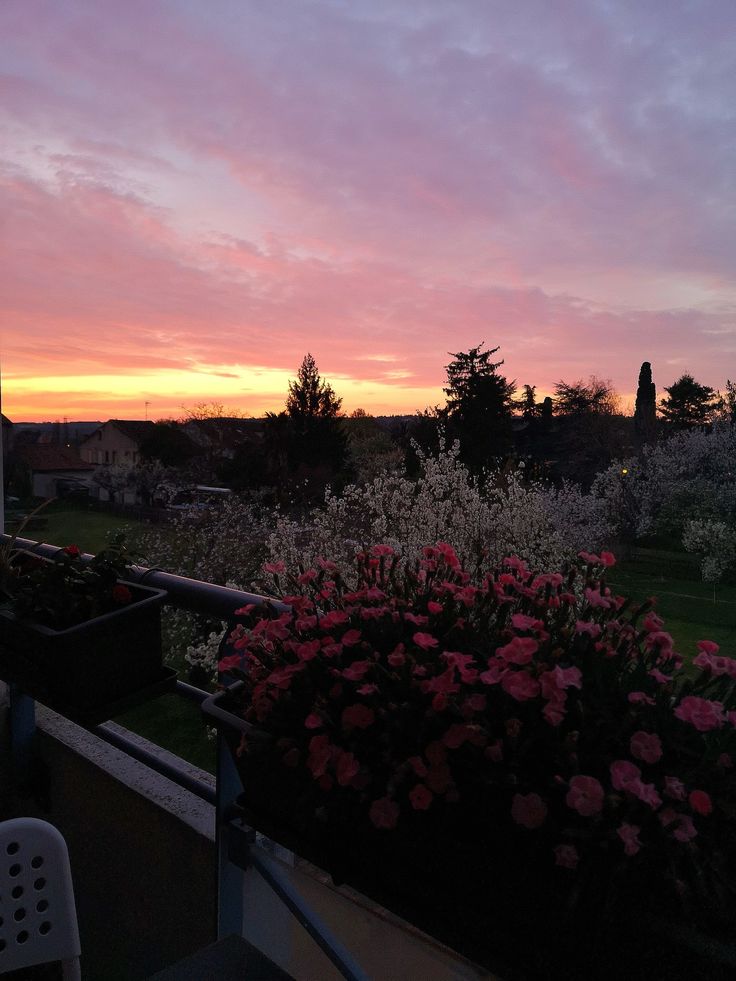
(195, 193)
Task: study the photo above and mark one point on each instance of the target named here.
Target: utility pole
(146, 405)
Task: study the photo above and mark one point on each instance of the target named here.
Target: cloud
(230, 185)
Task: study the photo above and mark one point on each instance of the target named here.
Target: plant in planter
(78, 636)
(517, 759)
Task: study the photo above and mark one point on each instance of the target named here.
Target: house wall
(44, 484)
(108, 446)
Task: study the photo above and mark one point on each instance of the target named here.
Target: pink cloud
(192, 184)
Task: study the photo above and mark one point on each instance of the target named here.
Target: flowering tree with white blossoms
(690, 476)
(716, 543)
(482, 518)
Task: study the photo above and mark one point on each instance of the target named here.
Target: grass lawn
(88, 529)
(688, 606)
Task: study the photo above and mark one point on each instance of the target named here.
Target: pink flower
(585, 796)
(685, 830)
(320, 754)
(313, 721)
(274, 568)
(357, 717)
(700, 802)
(652, 622)
(380, 551)
(434, 607)
(520, 621)
(566, 856)
(421, 797)
(646, 792)
(72, 551)
(608, 559)
(640, 698)
(528, 810)
(308, 650)
(554, 711)
(595, 598)
(628, 833)
(646, 746)
(660, 678)
(347, 768)
(425, 641)
(708, 647)
(624, 773)
(674, 788)
(588, 627)
(519, 650)
(356, 671)
(351, 637)
(520, 685)
(397, 657)
(701, 713)
(384, 813)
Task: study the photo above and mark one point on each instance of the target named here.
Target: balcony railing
(235, 846)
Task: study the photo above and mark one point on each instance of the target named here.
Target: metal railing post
(229, 876)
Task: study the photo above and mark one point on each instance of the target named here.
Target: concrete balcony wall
(144, 863)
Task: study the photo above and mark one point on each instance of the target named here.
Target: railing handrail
(188, 594)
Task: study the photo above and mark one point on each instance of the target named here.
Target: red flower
(425, 641)
(384, 813)
(421, 797)
(121, 594)
(700, 802)
(358, 717)
(528, 810)
(72, 551)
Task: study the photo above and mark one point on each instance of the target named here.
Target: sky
(196, 193)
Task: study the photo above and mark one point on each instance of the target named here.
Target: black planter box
(92, 670)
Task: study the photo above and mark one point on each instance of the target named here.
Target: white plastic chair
(38, 917)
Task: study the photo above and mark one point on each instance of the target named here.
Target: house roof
(133, 428)
(5, 420)
(42, 457)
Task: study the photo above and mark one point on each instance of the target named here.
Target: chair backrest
(38, 918)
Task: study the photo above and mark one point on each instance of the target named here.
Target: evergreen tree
(310, 397)
(688, 404)
(527, 403)
(317, 440)
(645, 413)
(479, 404)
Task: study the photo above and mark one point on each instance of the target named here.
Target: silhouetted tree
(310, 397)
(645, 413)
(317, 442)
(688, 403)
(527, 402)
(479, 406)
(588, 431)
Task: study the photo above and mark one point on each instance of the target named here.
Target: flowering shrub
(483, 519)
(539, 714)
(690, 475)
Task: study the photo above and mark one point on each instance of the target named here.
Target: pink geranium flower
(685, 830)
(425, 641)
(384, 813)
(702, 713)
(520, 685)
(519, 650)
(566, 856)
(629, 835)
(421, 797)
(528, 810)
(585, 796)
(357, 717)
(623, 774)
(646, 746)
